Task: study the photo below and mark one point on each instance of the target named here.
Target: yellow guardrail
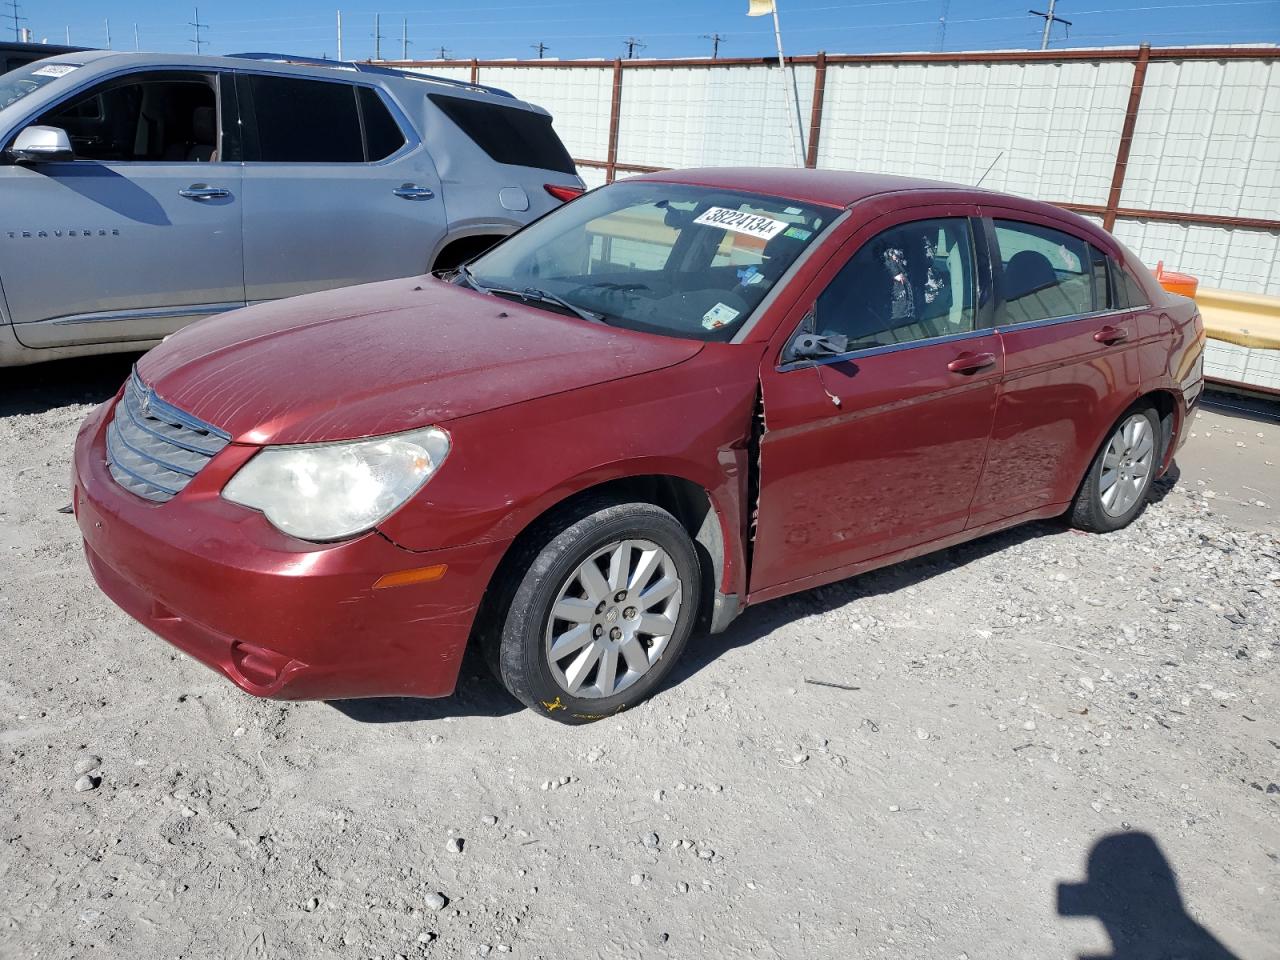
(1248, 319)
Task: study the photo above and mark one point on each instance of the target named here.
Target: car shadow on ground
(479, 694)
(47, 386)
(1132, 889)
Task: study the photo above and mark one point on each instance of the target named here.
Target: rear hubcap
(612, 619)
(1126, 465)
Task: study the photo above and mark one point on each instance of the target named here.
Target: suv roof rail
(370, 68)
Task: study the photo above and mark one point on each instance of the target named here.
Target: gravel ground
(905, 765)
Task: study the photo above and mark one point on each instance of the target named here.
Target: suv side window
(161, 116)
(1047, 274)
(296, 120)
(914, 281)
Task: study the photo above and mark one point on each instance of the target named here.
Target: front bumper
(279, 617)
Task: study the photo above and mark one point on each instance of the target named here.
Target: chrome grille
(153, 448)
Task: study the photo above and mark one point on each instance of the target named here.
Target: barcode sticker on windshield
(752, 224)
(55, 70)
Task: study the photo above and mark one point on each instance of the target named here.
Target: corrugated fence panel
(711, 116)
(449, 73)
(1054, 127)
(1208, 139)
(577, 97)
(1221, 257)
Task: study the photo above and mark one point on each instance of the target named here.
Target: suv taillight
(564, 194)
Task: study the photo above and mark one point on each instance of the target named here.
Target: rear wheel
(1115, 490)
(604, 605)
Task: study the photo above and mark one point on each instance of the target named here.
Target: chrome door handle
(202, 191)
(411, 191)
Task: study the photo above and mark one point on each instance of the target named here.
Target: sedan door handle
(1110, 335)
(411, 191)
(971, 363)
(202, 191)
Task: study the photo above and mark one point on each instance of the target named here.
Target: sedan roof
(835, 188)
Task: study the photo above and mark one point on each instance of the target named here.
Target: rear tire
(1116, 488)
(603, 599)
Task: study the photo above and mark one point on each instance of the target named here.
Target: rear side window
(294, 120)
(382, 134)
(911, 282)
(1047, 274)
(508, 134)
(1128, 291)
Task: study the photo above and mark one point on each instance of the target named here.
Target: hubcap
(613, 618)
(1126, 466)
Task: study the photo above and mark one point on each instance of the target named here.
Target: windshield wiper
(536, 295)
(465, 273)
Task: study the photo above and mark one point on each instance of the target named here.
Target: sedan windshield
(25, 80)
(686, 261)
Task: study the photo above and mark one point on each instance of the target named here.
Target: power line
(200, 44)
(1049, 21)
(16, 17)
(716, 39)
(632, 45)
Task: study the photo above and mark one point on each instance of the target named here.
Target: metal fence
(1175, 149)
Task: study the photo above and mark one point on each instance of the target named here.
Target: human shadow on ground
(1132, 889)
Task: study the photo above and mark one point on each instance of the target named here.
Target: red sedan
(672, 398)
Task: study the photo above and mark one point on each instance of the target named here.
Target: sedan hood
(386, 357)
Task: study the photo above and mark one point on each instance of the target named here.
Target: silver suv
(139, 192)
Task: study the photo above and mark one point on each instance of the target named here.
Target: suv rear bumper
(279, 617)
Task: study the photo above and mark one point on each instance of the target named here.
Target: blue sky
(669, 28)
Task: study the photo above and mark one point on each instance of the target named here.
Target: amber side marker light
(404, 578)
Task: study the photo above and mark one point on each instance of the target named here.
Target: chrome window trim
(887, 348)
(1054, 321)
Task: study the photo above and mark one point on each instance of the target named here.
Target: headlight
(332, 491)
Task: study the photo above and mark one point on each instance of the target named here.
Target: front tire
(606, 599)
(1116, 488)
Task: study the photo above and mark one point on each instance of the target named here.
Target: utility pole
(339, 34)
(106, 21)
(540, 47)
(200, 44)
(1049, 21)
(377, 36)
(444, 52)
(68, 36)
(716, 39)
(404, 40)
(15, 15)
(136, 46)
(942, 26)
(633, 45)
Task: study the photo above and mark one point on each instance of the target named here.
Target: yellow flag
(759, 8)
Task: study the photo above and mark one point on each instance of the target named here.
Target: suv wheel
(1115, 490)
(603, 608)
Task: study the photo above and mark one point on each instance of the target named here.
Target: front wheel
(605, 603)
(1115, 490)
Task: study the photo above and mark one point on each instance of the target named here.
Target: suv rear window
(508, 134)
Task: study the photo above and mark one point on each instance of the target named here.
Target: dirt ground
(905, 765)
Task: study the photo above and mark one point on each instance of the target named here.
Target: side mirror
(815, 346)
(42, 145)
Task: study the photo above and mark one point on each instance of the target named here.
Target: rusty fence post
(615, 121)
(815, 116)
(1126, 136)
(475, 70)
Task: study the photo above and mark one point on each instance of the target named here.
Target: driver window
(145, 117)
(912, 282)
